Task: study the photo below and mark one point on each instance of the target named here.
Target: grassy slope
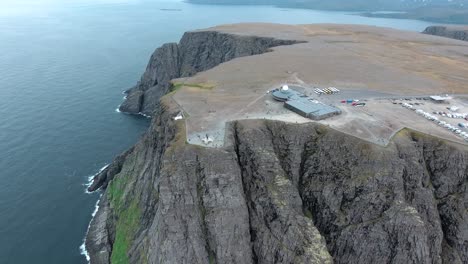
(127, 210)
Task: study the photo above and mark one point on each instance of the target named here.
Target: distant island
(439, 11)
(170, 9)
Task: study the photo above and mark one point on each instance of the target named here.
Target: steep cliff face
(131, 194)
(197, 51)
(277, 192)
(443, 31)
(284, 193)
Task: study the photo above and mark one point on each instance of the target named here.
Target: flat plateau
(380, 66)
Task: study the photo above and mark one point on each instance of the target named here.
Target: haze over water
(63, 66)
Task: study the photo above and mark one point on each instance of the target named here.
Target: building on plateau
(284, 94)
(440, 99)
(304, 105)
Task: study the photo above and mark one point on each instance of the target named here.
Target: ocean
(63, 67)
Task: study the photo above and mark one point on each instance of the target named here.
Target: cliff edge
(276, 192)
(460, 32)
(284, 193)
(196, 52)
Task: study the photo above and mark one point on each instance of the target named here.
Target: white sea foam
(142, 114)
(96, 208)
(103, 168)
(91, 178)
(125, 95)
(83, 250)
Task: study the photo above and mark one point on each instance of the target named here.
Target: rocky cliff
(277, 192)
(197, 51)
(449, 32)
(284, 193)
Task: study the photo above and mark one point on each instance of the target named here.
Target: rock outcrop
(448, 32)
(284, 193)
(277, 192)
(197, 51)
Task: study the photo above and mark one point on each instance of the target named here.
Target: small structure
(439, 99)
(207, 140)
(179, 116)
(314, 111)
(283, 94)
(454, 108)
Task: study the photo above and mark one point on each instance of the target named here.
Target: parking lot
(451, 115)
(377, 116)
(383, 117)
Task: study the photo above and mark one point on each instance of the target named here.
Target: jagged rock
(447, 31)
(277, 192)
(107, 174)
(197, 51)
(97, 240)
(288, 193)
(133, 101)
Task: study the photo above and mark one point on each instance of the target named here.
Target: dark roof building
(284, 94)
(304, 105)
(439, 99)
(312, 110)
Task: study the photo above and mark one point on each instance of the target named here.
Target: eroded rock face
(278, 192)
(197, 51)
(286, 193)
(106, 175)
(443, 31)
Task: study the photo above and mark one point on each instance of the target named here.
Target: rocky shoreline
(277, 192)
(459, 33)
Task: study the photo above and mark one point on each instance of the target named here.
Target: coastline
(82, 247)
(83, 250)
(434, 14)
(149, 185)
(91, 179)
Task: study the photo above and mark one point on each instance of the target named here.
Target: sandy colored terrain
(364, 62)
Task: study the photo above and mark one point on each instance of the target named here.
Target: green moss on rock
(126, 227)
(126, 210)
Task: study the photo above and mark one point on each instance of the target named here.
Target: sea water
(63, 67)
